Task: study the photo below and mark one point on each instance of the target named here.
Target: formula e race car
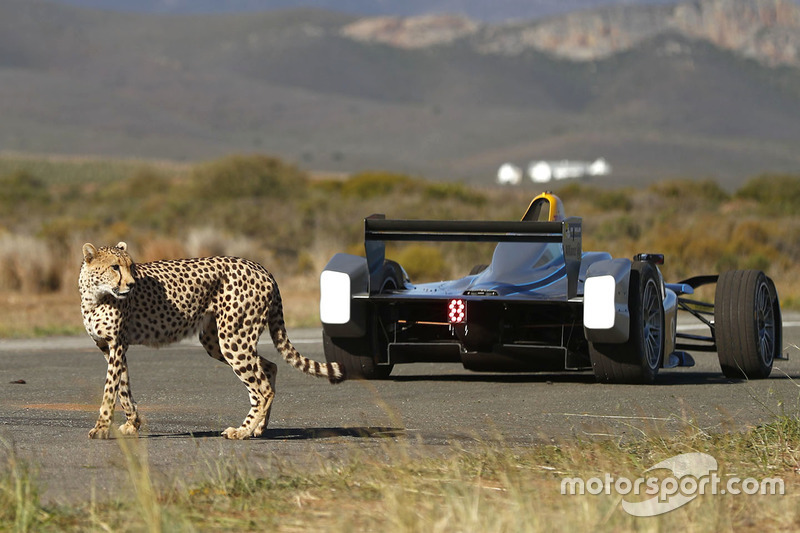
(542, 304)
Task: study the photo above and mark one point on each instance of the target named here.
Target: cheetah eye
(115, 267)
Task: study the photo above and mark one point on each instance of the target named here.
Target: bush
(623, 226)
(454, 191)
(706, 190)
(776, 193)
(422, 263)
(142, 184)
(240, 176)
(21, 188)
(374, 184)
(599, 199)
(574, 191)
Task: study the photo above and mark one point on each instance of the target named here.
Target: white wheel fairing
(334, 300)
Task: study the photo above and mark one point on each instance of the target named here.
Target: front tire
(747, 324)
(638, 359)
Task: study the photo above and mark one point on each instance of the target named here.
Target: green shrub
(327, 185)
(22, 188)
(374, 184)
(574, 191)
(624, 226)
(422, 262)
(619, 200)
(599, 199)
(240, 176)
(144, 183)
(776, 193)
(454, 191)
(707, 190)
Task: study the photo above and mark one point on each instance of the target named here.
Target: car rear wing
(378, 230)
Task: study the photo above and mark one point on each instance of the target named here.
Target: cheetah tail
(277, 330)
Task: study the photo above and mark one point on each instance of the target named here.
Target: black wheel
(747, 324)
(360, 356)
(638, 359)
(356, 356)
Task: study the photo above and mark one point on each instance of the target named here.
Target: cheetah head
(107, 270)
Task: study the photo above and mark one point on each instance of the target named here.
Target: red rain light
(457, 311)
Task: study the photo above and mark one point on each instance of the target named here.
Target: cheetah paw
(129, 429)
(98, 433)
(236, 433)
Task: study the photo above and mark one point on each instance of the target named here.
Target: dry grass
(291, 223)
(25, 315)
(403, 486)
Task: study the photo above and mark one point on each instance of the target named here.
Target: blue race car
(542, 304)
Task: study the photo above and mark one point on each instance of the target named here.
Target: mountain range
(705, 88)
(494, 11)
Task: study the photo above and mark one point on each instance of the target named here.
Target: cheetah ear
(122, 246)
(89, 251)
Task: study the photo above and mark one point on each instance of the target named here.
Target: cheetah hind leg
(260, 382)
(241, 355)
(209, 338)
(270, 370)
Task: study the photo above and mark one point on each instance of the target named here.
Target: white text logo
(693, 474)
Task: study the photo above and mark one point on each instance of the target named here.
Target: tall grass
(147, 500)
(402, 485)
(20, 508)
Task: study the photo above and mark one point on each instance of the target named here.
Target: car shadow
(372, 432)
(708, 378)
(497, 378)
(665, 378)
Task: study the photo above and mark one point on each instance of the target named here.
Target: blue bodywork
(524, 310)
(531, 271)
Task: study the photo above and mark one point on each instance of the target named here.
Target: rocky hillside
(659, 91)
(765, 30)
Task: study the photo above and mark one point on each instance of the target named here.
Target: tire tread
(735, 327)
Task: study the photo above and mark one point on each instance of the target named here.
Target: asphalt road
(187, 399)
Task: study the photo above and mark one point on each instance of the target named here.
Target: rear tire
(638, 359)
(747, 324)
(359, 356)
(356, 356)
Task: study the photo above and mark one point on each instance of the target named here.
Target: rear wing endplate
(378, 230)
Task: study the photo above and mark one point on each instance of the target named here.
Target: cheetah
(228, 300)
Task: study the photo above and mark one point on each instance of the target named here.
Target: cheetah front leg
(133, 421)
(116, 379)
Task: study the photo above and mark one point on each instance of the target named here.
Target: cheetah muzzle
(229, 301)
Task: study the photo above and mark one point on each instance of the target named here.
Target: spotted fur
(228, 300)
